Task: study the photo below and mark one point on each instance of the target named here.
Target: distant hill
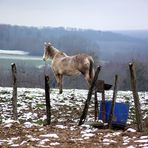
(139, 34)
(106, 45)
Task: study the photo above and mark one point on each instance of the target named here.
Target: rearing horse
(62, 64)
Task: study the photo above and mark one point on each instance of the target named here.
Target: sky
(85, 14)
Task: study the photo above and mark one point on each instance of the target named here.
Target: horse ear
(45, 43)
(49, 43)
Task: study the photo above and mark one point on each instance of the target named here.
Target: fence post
(113, 102)
(84, 114)
(47, 97)
(136, 97)
(14, 97)
(96, 106)
(103, 104)
(100, 86)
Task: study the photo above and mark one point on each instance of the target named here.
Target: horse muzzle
(44, 58)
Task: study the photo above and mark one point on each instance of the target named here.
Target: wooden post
(96, 106)
(84, 114)
(100, 85)
(113, 102)
(14, 96)
(136, 97)
(103, 105)
(47, 97)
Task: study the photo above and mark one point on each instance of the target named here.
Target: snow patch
(28, 124)
(50, 136)
(142, 140)
(109, 141)
(54, 143)
(61, 126)
(144, 137)
(131, 130)
(44, 141)
(130, 146)
(87, 135)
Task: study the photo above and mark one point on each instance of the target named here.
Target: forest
(113, 50)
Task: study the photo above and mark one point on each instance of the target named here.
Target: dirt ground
(64, 132)
(14, 134)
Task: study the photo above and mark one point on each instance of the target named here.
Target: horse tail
(91, 69)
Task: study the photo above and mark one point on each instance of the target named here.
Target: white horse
(62, 64)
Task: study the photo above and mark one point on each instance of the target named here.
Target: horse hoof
(60, 92)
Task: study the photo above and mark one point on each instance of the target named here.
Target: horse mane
(52, 51)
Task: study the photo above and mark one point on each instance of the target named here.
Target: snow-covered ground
(66, 110)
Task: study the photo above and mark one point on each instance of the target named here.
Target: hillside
(105, 44)
(139, 34)
(112, 50)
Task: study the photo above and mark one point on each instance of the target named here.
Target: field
(32, 61)
(64, 131)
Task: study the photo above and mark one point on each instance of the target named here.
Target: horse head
(49, 51)
(47, 47)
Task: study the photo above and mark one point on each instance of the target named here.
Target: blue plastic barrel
(120, 113)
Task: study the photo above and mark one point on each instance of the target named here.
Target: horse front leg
(59, 82)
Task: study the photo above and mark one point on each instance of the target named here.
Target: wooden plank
(85, 110)
(101, 86)
(136, 97)
(113, 102)
(14, 95)
(103, 107)
(96, 106)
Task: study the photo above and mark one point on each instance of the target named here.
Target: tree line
(111, 50)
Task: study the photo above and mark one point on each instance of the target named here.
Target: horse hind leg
(59, 79)
(88, 79)
(61, 84)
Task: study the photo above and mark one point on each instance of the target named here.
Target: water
(7, 59)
